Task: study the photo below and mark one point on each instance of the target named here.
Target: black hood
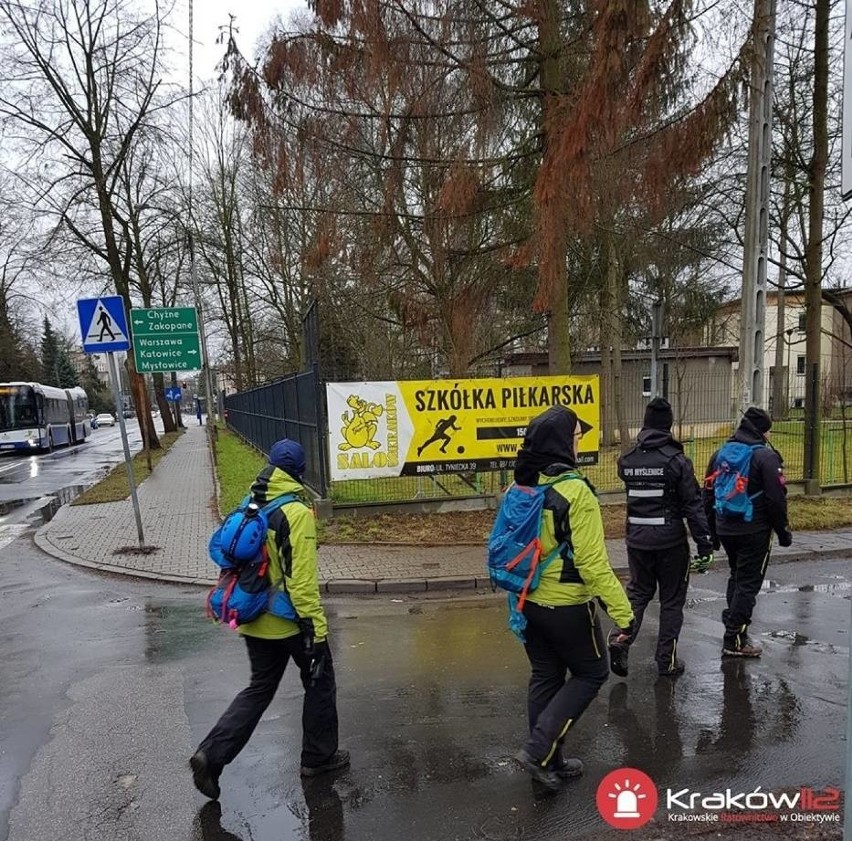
(549, 440)
(747, 434)
(653, 439)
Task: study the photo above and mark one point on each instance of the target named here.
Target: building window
(802, 319)
(800, 364)
(646, 386)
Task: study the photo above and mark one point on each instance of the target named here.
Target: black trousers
(268, 659)
(561, 640)
(668, 569)
(748, 557)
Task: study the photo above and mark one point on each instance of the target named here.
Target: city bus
(41, 417)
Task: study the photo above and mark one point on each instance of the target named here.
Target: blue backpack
(729, 481)
(243, 591)
(514, 547)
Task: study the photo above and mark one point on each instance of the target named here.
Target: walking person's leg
(575, 632)
(640, 590)
(673, 571)
(319, 716)
(229, 735)
(547, 668)
(731, 545)
(752, 562)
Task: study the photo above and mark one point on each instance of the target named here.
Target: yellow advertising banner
(427, 427)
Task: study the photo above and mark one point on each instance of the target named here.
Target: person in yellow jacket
(563, 632)
(271, 641)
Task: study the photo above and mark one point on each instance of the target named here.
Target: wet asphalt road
(107, 685)
(24, 478)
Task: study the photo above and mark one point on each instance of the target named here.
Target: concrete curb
(371, 586)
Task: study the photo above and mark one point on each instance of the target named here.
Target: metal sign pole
(113, 375)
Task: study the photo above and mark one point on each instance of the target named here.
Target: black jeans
(561, 640)
(748, 557)
(268, 659)
(668, 568)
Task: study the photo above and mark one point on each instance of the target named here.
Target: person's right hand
(785, 538)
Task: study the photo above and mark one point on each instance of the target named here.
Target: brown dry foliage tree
(471, 141)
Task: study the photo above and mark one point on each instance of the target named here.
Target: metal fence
(292, 407)
(705, 414)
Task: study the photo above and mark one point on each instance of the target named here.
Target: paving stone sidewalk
(178, 515)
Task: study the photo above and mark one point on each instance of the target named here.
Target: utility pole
(656, 337)
(205, 363)
(756, 238)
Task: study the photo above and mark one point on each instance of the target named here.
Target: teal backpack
(514, 547)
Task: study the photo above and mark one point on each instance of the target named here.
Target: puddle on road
(59, 498)
(174, 630)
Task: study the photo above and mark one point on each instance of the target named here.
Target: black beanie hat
(658, 415)
(758, 419)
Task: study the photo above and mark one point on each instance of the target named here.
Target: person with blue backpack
(547, 550)
(291, 623)
(745, 499)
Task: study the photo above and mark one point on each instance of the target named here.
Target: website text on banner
(428, 427)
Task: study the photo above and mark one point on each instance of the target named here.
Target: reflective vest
(650, 490)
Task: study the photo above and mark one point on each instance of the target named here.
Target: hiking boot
(618, 653)
(677, 669)
(205, 780)
(566, 768)
(339, 759)
(549, 779)
(746, 648)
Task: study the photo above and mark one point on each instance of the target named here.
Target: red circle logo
(627, 798)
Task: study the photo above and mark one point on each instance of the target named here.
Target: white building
(835, 356)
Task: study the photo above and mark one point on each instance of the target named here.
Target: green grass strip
(237, 465)
(115, 487)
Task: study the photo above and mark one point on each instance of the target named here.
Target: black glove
(319, 658)
(628, 631)
(704, 549)
(785, 538)
(306, 626)
(717, 544)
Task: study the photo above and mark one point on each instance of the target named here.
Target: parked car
(105, 419)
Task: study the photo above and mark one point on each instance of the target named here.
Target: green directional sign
(166, 339)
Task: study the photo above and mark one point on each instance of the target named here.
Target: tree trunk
(551, 43)
(162, 403)
(607, 348)
(813, 251)
(614, 280)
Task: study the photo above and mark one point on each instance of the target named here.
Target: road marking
(10, 533)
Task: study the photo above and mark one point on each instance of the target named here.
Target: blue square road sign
(173, 394)
(103, 324)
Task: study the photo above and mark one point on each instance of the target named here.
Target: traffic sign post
(166, 339)
(103, 329)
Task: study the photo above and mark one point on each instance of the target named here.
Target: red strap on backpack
(535, 545)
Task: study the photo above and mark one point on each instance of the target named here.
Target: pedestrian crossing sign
(103, 324)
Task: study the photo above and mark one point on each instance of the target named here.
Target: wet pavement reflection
(432, 702)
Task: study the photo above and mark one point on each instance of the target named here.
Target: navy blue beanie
(289, 456)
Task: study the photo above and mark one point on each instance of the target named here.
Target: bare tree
(82, 82)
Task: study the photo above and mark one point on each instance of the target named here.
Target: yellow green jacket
(292, 545)
(572, 513)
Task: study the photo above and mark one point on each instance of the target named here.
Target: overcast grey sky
(252, 20)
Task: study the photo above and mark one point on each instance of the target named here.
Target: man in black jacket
(748, 542)
(661, 492)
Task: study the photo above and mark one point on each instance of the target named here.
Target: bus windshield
(18, 409)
